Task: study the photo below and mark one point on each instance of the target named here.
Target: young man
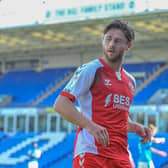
(104, 91)
(145, 150)
(34, 154)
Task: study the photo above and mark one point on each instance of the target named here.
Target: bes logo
(118, 101)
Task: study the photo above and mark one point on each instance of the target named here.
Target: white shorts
(33, 164)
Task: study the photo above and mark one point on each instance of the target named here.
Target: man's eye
(108, 39)
(118, 41)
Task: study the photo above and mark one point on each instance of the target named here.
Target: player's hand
(143, 132)
(100, 133)
(163, 153)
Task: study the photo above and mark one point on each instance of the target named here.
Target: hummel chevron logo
(108, 82)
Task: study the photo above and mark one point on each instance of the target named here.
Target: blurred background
(42, 43)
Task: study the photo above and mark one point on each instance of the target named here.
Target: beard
(114, 59)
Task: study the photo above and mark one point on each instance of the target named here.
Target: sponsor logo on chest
(118, 101)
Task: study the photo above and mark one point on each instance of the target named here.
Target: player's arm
(65, 107)
(139, 129)
(159, 152)
(29, 153)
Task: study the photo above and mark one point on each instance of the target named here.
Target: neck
(116, 65)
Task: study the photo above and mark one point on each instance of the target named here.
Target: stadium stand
(60, 152)
(56, 149)
(49, 101)
(33, 84)
(159, 82)
(14, 149)
(20, 82)
(45, 46)
(141, 71)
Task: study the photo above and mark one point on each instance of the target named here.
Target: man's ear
(129, 45)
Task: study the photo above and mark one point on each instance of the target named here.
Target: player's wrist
(131, 126)
(86, 123)
(135, 127)
(89, 126)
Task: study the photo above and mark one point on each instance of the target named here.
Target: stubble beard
(116, 59)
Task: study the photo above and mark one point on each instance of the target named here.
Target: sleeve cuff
(68, 95)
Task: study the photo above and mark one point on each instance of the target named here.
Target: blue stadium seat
(25, 86)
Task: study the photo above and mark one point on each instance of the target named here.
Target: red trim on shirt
(108, 67)
(70, 96)
(77, 132)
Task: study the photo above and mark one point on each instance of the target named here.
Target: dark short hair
(34, 142)
(123, 26)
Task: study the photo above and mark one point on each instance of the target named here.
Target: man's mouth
(111, 51)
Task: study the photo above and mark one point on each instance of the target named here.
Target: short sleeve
(80, 82)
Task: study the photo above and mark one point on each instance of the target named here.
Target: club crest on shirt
(132, 88)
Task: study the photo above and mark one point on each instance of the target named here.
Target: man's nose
(111, 43)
